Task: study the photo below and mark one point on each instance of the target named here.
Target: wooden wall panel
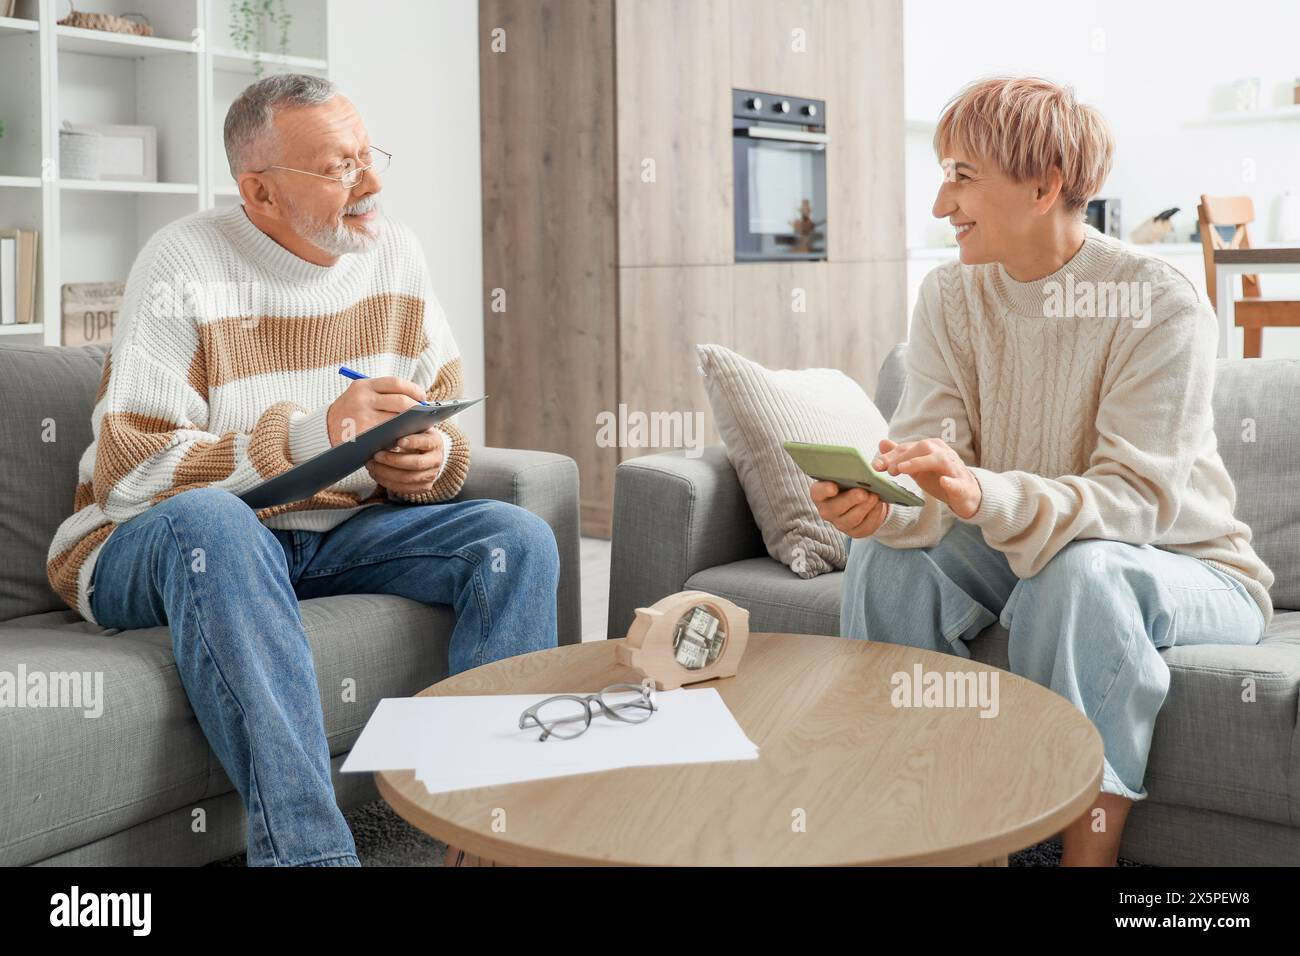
(864, 118)
(550, 229)
(665, 314)
(770, 328)
(868, 305)
(610, 281)
(674, 108)
(763, 54)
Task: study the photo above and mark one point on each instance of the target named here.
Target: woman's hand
(936, 468)
(854, 511)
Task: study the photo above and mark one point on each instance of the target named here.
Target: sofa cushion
(889, 383)
(67, 779)
(1258, 430)
(778, 600)
(47, 394)
(757, 410)
(1215, 750)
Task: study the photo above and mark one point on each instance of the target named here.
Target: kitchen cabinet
(674, 147)
(602, 271)
(779, 46)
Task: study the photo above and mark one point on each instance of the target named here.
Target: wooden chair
(1253, 313)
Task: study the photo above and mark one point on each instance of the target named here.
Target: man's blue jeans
(228, 586)
(1090, 625)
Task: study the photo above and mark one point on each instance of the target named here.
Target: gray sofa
(126, 787)
(1223, 780)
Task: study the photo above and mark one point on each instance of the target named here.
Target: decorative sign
(90, 311)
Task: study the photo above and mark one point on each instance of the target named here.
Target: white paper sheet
(457, 743)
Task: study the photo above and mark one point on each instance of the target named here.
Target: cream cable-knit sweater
(1075, 426)
(223, 364)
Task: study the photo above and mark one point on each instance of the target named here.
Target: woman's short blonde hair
(1029, 126)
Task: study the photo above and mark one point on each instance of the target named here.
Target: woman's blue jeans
(1090, 625)
(229, 587)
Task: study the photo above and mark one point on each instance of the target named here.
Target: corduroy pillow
(758, 409)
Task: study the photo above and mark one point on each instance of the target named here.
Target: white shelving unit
(1273, 115)
(181, 81)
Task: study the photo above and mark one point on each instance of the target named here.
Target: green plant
(248, 22)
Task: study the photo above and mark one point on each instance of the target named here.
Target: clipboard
(304, 480)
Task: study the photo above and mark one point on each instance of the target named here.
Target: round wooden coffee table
(843, 777)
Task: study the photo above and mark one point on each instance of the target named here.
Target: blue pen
(354, 375)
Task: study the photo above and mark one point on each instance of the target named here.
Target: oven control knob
(783, 106)
(810, 109)
(754, 103)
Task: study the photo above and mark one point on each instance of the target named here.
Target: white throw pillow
(757, 409)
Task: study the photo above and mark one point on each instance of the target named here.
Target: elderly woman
(1056, 419)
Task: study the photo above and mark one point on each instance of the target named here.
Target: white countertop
(1153, 248)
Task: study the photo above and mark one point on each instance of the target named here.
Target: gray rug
(385, 839)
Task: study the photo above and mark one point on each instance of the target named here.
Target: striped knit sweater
(222, 367)
(1076, 426)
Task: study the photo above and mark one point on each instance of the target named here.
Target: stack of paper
(458, 743)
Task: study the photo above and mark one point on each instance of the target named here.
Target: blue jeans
(228, 586)
(1090, 625)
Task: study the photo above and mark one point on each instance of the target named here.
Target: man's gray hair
(250, 122)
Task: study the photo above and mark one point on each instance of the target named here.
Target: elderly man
(224, 371)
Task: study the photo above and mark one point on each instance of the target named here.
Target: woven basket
(106, 21)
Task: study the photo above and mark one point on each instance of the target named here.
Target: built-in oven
(779, 151)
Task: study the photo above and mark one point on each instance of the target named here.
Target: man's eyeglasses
(567, 715)
(352, 169)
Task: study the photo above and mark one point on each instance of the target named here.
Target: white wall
(1157, 70)
(411, 68)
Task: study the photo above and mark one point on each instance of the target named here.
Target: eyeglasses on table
(569, 715)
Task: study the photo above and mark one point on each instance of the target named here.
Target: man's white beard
(336, 237)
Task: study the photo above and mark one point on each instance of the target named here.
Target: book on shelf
(8, 281)
(18, 251)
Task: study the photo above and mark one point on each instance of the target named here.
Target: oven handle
(789, 136)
